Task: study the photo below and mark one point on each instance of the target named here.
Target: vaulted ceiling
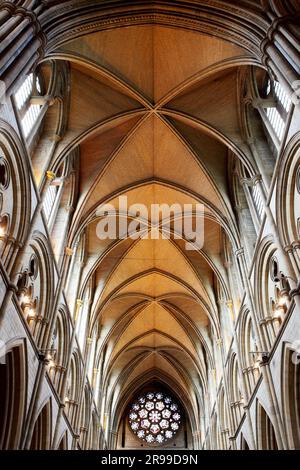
(155, 112)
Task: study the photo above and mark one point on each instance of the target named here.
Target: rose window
(154, 418)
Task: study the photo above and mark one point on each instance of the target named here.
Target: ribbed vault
(155, 112)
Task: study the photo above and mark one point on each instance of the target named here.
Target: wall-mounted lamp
(24, 299)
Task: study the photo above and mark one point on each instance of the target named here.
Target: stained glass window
(155, 417)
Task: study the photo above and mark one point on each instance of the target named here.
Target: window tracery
(155, 417)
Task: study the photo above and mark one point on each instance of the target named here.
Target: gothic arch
(244, 444)
(13, 394)
(63, 442)
(287, 202)
(224, 419)
(271, 283)
(189, 101)
(42, 431)
(60, 347)
(84, 417)
(15, 199)
(248, 348)
(36, 286)
(154, 384)
(167, 382)
(266, 251)
(235, 389)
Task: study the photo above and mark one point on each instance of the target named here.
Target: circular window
(155, 417)
(4, 174)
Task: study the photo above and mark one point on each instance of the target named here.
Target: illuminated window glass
(29, 112)
(155, 418)
(277, 115)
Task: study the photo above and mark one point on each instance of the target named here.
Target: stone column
(22, 44)
(31, 416)
(61, 282)
(226, 387)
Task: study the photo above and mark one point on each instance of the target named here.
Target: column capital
(251, 182)
(69, 208)
(256, 179)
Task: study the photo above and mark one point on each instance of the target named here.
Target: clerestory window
(28, 106)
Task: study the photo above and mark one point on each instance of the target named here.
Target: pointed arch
(63, 443)
(13, 392)
(244, 444)
(42, 431)
(266, 436)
